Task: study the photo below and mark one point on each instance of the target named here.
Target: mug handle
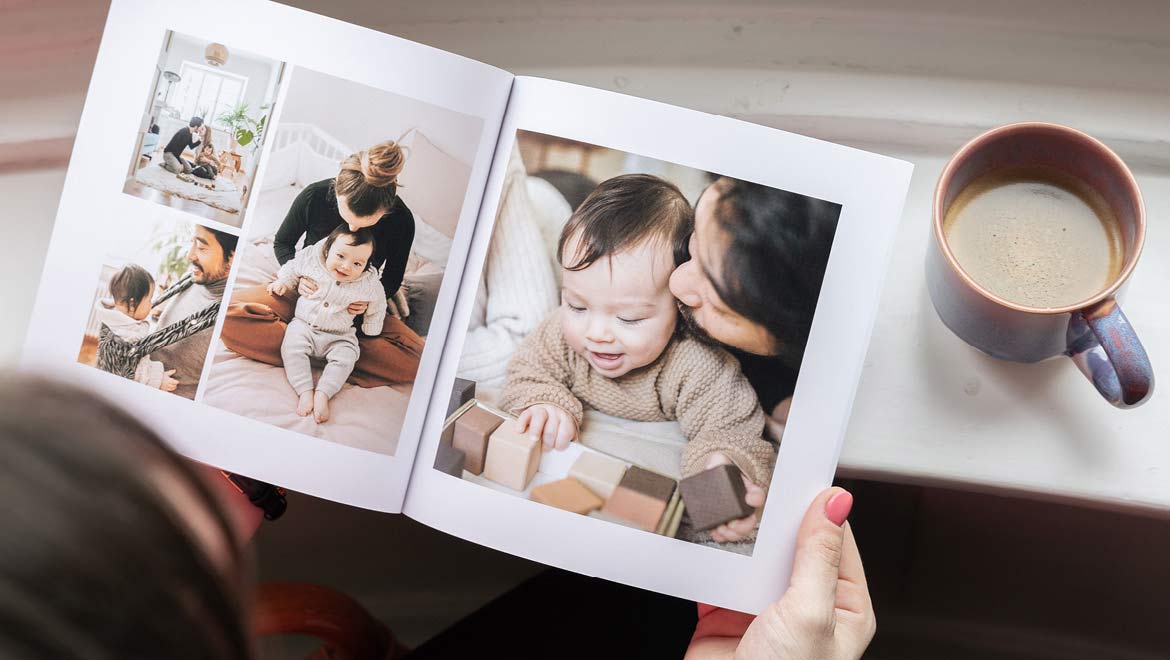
(1107, 350)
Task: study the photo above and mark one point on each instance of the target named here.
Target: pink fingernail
(838, 507)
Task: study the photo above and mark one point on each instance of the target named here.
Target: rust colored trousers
(255, 324)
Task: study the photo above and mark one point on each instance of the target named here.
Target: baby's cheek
(569, 332)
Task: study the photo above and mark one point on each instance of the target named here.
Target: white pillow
(429, 243)
(313, 167)
(550, 212)
(281, 168)
(433, 183)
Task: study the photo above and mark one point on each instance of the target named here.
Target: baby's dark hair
(622, 212)
(359, 237)
(130, 285)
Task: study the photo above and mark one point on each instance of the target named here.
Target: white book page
(678, 143)
(324, 90)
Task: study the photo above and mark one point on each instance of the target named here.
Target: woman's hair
(778, 249)
(95, 562)
(369, 179)
(359, 237)
(622, 212)
(130, 285)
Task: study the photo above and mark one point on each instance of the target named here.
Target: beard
(693, 328)
(204, 276)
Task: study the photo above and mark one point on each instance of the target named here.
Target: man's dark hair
(622, 212)
(227, 242)
(777, 252)
(359, 237)
(195, 122)
(130, 285)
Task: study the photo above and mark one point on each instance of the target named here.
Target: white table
(909, 78)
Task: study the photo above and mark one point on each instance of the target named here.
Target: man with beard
(210, 256)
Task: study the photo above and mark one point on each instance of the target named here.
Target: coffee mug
(1030, 322)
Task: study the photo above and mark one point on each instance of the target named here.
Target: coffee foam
(1036, 237)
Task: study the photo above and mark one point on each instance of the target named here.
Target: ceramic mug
(1093, 332)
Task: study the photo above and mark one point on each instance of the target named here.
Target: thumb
(819, 545)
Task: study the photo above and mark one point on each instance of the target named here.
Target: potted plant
(242, 128)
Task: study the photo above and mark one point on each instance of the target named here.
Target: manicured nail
(838, 507)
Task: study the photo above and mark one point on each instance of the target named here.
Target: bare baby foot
(320, 407)
(305, 404)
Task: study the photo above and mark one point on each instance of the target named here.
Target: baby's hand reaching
(550, 424)
(277, 288)
(169, 382)
(737, 530)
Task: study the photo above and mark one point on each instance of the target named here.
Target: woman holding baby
(757, 257)
(745, 268)
(363, 196)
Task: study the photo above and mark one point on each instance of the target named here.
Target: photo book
(596, 331)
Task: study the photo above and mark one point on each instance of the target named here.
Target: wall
(360, 116)
(258, 71)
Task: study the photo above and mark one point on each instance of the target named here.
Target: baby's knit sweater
(327, 308)
(699, 385)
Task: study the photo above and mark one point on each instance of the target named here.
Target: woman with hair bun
(364, 194)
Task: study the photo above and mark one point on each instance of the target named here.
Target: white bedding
(366, 418)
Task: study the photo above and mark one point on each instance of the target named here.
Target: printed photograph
(343, 261)
(156, 304)
(638, 330)
(200, 139)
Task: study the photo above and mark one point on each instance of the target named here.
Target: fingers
(537, 420)
(819, 548)
(735, 530)
(851, 569)
(523, 420)
(565, 433)
(169, 372)
(549, 437)
(716, 459)
(755, 495)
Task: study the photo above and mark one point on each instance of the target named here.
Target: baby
(207, 166)
(323, 327)
(613, 346)
(131, 290)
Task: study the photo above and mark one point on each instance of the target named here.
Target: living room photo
(198, 145)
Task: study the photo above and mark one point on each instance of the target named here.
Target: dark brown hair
(130, 285)
(778, 250)
(622, 212)
(369, 179)
(360, 237)
(227, 242)
(95, 562)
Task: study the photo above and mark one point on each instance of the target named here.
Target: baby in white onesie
(322, 326)
(131, 290)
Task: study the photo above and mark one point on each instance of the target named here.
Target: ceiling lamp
(216, 54)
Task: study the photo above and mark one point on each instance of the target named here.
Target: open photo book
(600, 332)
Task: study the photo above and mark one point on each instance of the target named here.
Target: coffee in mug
(1035, 236)
(1037, 227)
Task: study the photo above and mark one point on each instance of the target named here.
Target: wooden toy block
(641, 498)
(472, 430)
(672, 510)
(462, 392)
(715, 496)
(512, 456)
(598, 473)
(450, 460)
(567, 494)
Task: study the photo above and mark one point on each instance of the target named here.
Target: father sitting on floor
(189, 136)
(211, 259)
